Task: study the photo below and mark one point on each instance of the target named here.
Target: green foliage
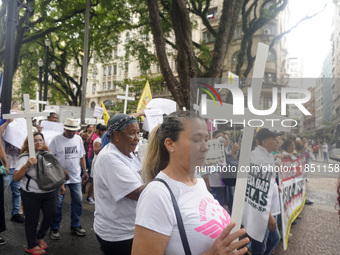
(157, 85)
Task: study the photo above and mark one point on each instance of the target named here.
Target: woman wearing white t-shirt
(35, 199)
(176, 147)
(117, 186)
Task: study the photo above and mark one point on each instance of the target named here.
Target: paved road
(316, 233)
(318, 230)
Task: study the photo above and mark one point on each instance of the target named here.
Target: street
(317, 230)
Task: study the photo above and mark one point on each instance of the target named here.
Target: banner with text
(293, 193)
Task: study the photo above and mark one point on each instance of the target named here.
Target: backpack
(50, 173)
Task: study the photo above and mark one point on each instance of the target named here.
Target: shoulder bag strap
(179, 219)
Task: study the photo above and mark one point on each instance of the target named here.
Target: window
(115, 53)
(234, 58)
(127, 37)
(212, 13)
(110, 70)
(109, 85)
(104, 85)
(114, 69)
(208, 37)
(93, 105)
(272, 56)
(114, 86)
(93, 88)
(267, 103)
(126, 69)
(104, 71)
(270, 77)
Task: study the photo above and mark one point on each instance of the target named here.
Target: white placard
(51, 125)
(50, 130)
(215, 154)
(98, 112)
(152, 119)
(166, 105)
(16, 132)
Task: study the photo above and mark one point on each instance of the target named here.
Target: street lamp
(40, 64)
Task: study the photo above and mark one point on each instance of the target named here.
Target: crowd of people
(158, 206)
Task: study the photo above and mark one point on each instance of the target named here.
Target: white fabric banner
(16, 132)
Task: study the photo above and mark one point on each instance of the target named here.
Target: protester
(117, 186)
(97, 147)
(262, 156)
(69, 150)
(175, 148)
(324, 148)
(4, 170)
(316, 149)
(288, 148)
(53, 117)
(84, 135)
(34, 198)
(90, 154)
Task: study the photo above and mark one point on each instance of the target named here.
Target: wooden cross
(126, 98)
(37, 101)
(28, 116)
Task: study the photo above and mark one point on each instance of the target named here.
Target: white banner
(152, 119)
(293, 193)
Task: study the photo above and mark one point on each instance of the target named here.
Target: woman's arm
(149, 242)
(19, 174)
(97, 147)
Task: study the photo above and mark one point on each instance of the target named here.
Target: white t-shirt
(324, 148)
(32, 186)
(69, 151)
(116, 176)
(99, 140)
(203, 217)
(260, 156)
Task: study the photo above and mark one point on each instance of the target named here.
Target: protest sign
(50, 130)
(16, 132)
(166, 105)
(98, 112)
(152, 119)
(293, 193)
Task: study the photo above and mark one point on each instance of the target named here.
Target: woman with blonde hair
(175, 213)
(35, 199)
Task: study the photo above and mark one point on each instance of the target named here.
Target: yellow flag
(145, 98)
(106, 116)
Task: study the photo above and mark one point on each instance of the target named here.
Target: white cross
(28, 116)
(37, 101)
(126, 98)
(226, 111)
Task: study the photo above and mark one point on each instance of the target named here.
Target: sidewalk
(69, 244)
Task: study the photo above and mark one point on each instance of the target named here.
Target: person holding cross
(34, 198)
(69, 150)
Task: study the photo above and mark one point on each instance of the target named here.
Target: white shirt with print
(203, 217)
(116, 176)
(69, 151)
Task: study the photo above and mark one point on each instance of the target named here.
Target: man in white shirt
(262, 156)
(69, 150)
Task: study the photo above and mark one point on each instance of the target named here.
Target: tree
(63, 23)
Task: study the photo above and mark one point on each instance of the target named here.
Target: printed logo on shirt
(71, 152)
(214, 216)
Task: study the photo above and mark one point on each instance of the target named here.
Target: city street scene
(170, 127)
